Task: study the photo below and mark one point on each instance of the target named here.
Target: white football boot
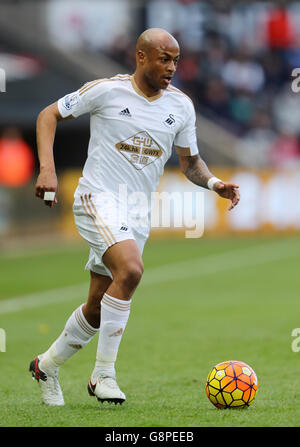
(106, 389)
(48, 381)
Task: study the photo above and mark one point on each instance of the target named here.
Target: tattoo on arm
(196, 170)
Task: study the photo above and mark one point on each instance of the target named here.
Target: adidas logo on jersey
(124, 227)
(125, 112)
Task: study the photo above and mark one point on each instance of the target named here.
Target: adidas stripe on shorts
(102, 224)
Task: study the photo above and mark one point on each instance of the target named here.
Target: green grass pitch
(200, 302)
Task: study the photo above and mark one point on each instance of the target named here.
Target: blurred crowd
(236, 64)
(237, 60)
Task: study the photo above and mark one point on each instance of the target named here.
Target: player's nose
(171, 67)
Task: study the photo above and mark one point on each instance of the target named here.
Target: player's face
(160, 66)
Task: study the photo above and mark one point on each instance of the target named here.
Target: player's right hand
(46, 181)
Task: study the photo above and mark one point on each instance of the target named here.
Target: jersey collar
(139, 91)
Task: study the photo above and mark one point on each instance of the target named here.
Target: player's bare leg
(125, 263)
(92, 308)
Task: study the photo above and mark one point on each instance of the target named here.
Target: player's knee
(132, 274)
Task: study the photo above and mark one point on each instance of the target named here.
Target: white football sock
(76, 334)
(114, 317)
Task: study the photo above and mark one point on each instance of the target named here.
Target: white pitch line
(43, 298)
(41, 250)
(177, 271)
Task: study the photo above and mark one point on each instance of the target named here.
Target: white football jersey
(131, 135)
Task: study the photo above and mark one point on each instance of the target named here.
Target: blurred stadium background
(236, 64)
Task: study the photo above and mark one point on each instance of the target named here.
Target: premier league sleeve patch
(70, 101)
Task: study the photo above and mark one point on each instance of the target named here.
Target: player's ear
(141, 56)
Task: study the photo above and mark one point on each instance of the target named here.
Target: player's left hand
(228, 191)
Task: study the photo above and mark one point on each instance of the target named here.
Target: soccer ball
(231, 384)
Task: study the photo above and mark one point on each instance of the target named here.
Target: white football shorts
(102, 224)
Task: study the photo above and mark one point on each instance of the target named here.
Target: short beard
(151, 84)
